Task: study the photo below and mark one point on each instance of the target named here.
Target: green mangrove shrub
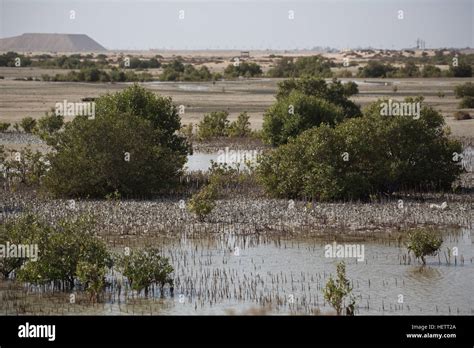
(362, 156)
(338, 291)
(146, 267)
(423, 242)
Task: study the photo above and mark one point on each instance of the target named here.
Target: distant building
(244, 54)
(420, 44)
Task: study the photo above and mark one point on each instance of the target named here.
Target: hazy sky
(251, 24)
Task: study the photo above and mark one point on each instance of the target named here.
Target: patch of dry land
(19, 98)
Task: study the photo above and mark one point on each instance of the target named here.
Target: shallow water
(287, 277)
(200, 161)
(299, 270)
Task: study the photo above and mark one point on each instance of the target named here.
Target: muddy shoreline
(246, 216)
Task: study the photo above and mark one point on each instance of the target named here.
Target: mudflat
(19, 98)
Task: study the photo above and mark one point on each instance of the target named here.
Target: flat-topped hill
(32, 42)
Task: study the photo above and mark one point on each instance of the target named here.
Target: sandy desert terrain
(19, 99)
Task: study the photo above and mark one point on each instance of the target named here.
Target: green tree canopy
(131, 146)
(290, 116)
(245, 69)
(315, 66)
(363, 156)
(376, 69)
(464, 69)
(61, 249)
(335, 92)
(305, 103)
(430, 71)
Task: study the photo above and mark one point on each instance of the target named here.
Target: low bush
(203, 202)
(144, 268)
(28, 124)
(422, 243)
(467, 103)
(338, 292)
(213, 125)
(464, 90)
(4, 127)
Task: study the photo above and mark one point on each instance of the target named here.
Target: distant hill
(31, 42)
